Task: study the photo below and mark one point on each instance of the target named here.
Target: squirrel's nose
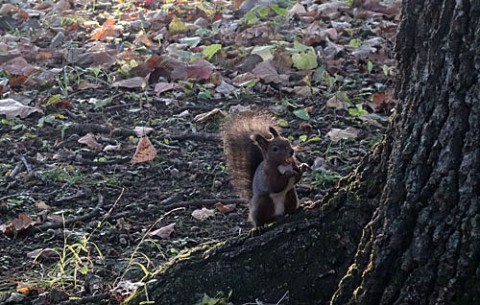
(291, 152)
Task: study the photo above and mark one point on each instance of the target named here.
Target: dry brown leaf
(145, 151)
(18, 66)
(132, 83)
(84, 85)
(202, 214)
(200, 70)
(108, 29)
(267, 72)
(143, 39)
(8, 9)
(297, 10)
(164, 86)
(17, 225)
(42, 205)
(225, 208)
(335, 102)
(91, 141)
(164, 232)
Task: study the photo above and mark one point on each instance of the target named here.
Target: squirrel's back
(241, 154)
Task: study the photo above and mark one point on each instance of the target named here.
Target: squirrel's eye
(275, 149)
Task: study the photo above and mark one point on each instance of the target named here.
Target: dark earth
(91, 210)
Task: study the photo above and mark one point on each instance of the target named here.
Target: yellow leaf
(177, 26)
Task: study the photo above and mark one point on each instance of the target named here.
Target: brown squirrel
(262, 166)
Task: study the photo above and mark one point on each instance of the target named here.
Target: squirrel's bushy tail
(242, 156)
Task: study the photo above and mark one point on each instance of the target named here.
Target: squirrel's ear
(260, 141)
(274, 132)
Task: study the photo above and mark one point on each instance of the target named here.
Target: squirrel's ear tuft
(260, 141)
(274, 132)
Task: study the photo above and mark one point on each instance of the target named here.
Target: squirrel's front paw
(303, 167)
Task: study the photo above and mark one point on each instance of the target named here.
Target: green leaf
(282, 123)
(303, 138)
(385, 70)
(211, 50)
(302, 114)
(250, 17)
(53, 99)
(305, 61)
(357, 111)
(265, 52)
(84, 269)
(313, 139)
(343, 96)
(279, 10)
(369, 66)
(263, 11)
(355, 42)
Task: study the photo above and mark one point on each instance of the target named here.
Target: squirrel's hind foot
(256, 231)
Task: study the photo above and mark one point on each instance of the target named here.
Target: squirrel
(262, 166)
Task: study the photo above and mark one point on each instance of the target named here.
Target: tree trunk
(423, 243)
(418, 241)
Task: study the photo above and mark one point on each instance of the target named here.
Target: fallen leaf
(297, 10)
(17, 225)
(214, 113)
(225, 208)
(268, 73)
(306, 91)
(202, 214)
(91, 141)
(225, 88)
(145, 151)
(108, 29)
(164, 86)
(141, 131)
(164, 232)
(11, 108)
(337, 134)
(305, 60)
(18, 66)
(337, 103)
(42, 205)
(377, 101)
(132, 83)
(200, 70)
(176, 25)
(245, 79)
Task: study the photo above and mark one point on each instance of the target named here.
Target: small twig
(57, 225)
(199, 203)
(197, 136)
(88, 299)
(18, 168)
(27, 165)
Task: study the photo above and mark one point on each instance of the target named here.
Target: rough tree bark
(423, 243)
(405, 228)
